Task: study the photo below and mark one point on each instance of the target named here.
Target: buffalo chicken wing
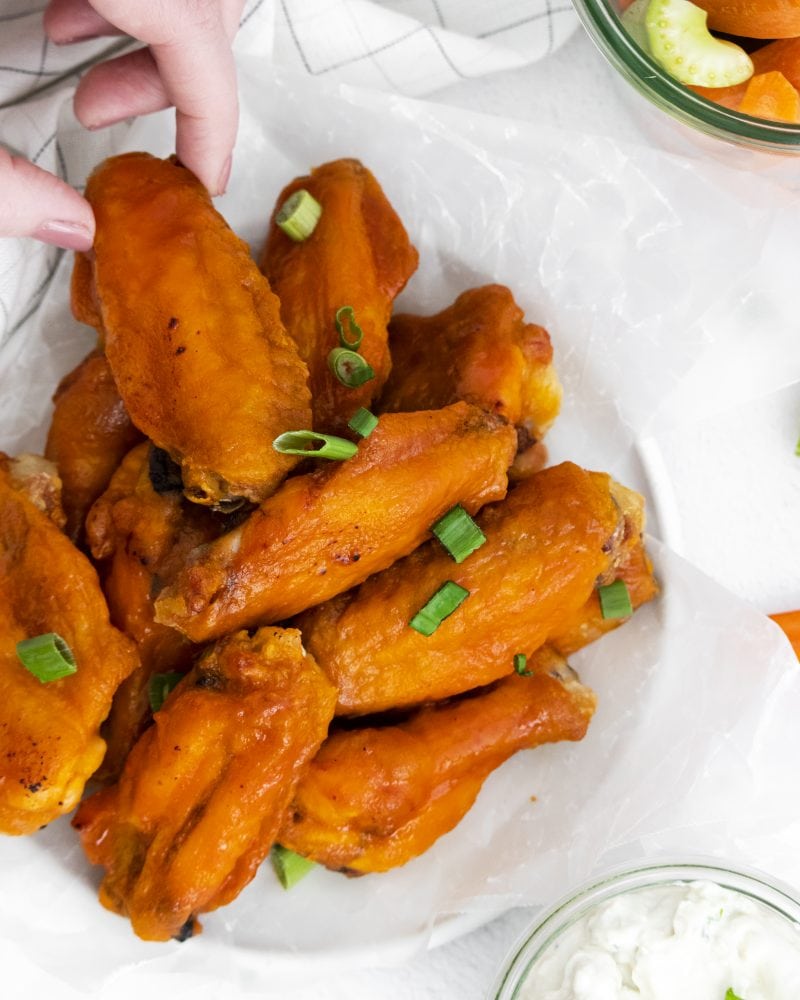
(376, 797)
(548, 545)
(479, 349)
(329, 530)
(192, 331)
(50, 740)
(359, 255)
(204, 790)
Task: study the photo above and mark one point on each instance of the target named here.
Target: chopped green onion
(289, 867)
(159, 687)
(730, 995)
(363, 422)
(298, 215)
(615, 601)
(347, 313)
(349, 367)
(458, 533)
(520, 665)
(327, 446)
(797, 448)
(443, 603)
(47, 657)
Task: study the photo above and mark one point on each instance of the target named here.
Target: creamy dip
(678, 941)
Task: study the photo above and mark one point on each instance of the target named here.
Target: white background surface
(744, 444)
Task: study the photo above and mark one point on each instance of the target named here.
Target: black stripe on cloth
(549, 14)
(42, 148)
(371, 52)
(31, 72)
(250, 13)
(38, 293)
(5, 18)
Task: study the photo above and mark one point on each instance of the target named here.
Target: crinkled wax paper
(695, 743)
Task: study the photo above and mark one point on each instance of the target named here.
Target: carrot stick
(789, 621)
(782, 56)
(754, 18)
(770, 95)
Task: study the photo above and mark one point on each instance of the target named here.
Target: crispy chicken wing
(89, 436)
(376, 797)
(635, 568)
(359, 255)
(479, 349)
(143, 535)
(204, 790)
(37, 478)
(192, 331)
(49, 733)
(329, 530)
(549, 543)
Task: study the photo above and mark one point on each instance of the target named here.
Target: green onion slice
(159, 687)
(443, 603)
(797, 448)
(458, 533)
(347, 314)
(47, 657)
(730, 995)
(322, 445)
(289, 867)
(349, 367)
(298, 215)
(363, 422)
(521, 664)
(615, 601)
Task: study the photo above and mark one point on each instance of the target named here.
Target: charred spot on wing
(186, 931)
(165, 475)
(525, 439)
(209, 680)
(350, 872)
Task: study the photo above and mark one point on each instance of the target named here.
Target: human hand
(187, 63)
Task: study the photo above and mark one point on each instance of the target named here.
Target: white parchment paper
(695, 741)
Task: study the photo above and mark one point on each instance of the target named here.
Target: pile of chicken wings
(266, 597)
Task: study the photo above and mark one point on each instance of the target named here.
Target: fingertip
(35, 203)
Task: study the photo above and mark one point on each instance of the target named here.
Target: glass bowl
(561, 917)
(602, 21)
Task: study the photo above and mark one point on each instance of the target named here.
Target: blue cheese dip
(677, 941)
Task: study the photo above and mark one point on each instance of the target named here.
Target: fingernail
(224, 177)
(69, 235)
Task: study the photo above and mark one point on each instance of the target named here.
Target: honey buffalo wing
(89, 435)
(140, 536)
(549, 543)
(479, 349)
(191, 330)
(50, 742)
(359, 255)
(204, 790)
(376, 797)
(330, 529)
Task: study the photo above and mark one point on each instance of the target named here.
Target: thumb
(35, 203)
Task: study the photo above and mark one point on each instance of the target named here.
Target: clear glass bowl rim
(774, 894)
(605, 28)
